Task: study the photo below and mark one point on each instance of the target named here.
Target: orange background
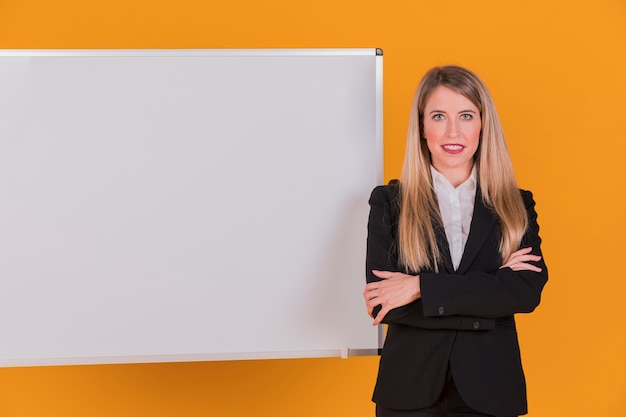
(557, 70)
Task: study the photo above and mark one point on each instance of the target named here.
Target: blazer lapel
(444, 247)
(483, 220)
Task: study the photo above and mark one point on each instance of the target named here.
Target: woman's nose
(452, 129)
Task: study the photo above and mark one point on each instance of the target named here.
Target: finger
(525, 258)
(518, 266)
(519, 257)
(509, 263)
(523, 251)
(386, 274)
(371, 291)
(371, 306)
(520, 252)
(372, 302)
(381, 314)
(529, 256)
(383, 274)
(522, 266)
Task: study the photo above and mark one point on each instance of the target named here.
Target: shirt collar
(439, 178)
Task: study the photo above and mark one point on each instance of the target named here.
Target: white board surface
(186, 204)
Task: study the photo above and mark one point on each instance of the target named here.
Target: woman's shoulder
(386, 193)
(527, 197)
(385, 203)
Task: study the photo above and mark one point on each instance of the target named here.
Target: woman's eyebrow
(462, 111)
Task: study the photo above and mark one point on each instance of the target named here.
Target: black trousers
(449, 404)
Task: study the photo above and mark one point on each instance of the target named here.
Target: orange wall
(557, 70)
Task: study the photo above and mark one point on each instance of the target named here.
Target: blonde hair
(417, 242)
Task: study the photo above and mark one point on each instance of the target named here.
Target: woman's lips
(453, 148)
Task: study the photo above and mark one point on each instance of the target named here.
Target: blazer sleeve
(382, 255)
(486, 290)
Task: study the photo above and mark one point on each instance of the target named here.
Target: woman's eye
(438, 117)
(466, 116)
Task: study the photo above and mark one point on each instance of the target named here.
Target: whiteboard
(185, 205)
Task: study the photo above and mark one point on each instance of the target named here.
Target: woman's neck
(456, 175)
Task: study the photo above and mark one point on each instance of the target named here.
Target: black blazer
(464, 319)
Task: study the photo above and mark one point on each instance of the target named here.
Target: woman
(453, 252)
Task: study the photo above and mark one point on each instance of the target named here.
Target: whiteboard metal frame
(192, 52)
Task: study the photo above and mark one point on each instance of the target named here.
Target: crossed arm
(448, 300)
(396, 289)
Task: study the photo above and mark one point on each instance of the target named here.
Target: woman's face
(452, 131)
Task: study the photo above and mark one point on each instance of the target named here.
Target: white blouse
(456, 206)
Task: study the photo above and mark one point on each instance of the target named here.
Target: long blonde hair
(417, 242)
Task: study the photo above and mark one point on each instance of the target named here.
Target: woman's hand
(394, 290)
(518, 261)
